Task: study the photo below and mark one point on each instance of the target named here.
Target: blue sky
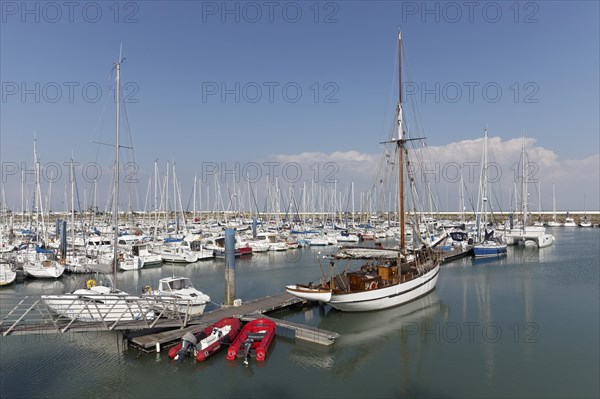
(217, 83)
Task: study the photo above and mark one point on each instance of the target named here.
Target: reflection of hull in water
(361, 328)
(499, 260)
(362, 331)
(43, 286)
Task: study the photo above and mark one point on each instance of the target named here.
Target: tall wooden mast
(400, 144)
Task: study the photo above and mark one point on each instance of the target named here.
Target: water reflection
(363, 335)
(44, 287)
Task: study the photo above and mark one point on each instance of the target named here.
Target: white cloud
(573, 178)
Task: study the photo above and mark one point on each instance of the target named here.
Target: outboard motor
(187, 340)
(247, 345)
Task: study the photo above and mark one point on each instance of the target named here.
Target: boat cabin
(174, 284)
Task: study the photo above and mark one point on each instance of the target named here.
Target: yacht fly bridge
(79, 313)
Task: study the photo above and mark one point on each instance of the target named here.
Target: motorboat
(253, 340)
(180, 292)
(205, 343)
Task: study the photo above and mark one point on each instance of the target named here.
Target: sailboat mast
(400, 150)
(553, 204)
(116, 182)
(484, 186)
(523, 182)
(72, 171)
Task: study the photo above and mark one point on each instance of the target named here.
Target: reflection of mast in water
(425, 325)
(523, 328)
(488, 327)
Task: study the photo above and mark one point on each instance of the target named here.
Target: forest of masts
(273, 200)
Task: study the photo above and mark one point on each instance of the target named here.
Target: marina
(495, 316)
(299, 200)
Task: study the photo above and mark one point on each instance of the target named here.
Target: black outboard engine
(247, 345)
(187, 341)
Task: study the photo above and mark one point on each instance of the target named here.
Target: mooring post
(63, 239)
(229, 266)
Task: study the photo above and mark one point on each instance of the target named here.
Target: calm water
(524, 326)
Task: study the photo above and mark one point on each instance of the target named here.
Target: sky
(301, 93)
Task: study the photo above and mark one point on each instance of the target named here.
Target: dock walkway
(246, 311)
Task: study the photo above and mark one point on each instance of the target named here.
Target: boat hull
(7, 274)
(386, 297)
(485, 251)
(545, 240)
(45, 269)
(178, 293)
(309, 293)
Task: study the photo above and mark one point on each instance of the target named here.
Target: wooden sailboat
(382, 283)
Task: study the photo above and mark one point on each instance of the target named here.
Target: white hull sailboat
(382, 283)
(527, 234)
(7, 273)
(44, 269)
(99, 303)
(487, 245)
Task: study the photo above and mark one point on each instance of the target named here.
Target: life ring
(373, 285)
(90, 283)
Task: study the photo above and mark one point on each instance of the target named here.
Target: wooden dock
(246, 311)
(300, 331)
(456, 253)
